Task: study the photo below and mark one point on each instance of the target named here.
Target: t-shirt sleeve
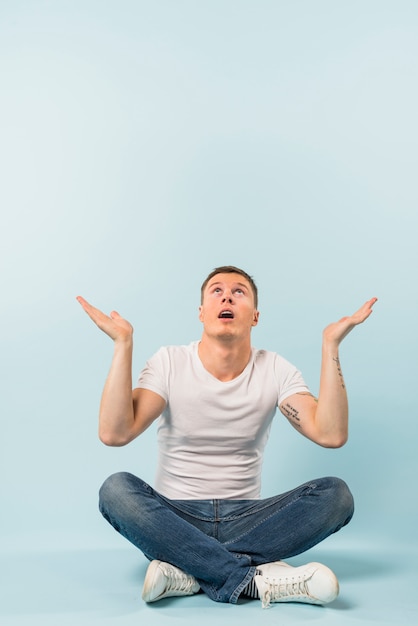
(289, 379)
(154, 376)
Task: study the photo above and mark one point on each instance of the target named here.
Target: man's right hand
(113, 325)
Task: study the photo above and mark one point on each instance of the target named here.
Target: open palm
(113, 325)
(336, 331)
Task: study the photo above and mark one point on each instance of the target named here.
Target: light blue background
(144, 143)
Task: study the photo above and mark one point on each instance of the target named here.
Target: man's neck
(223, 359)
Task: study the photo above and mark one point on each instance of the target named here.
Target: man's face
(228, 308)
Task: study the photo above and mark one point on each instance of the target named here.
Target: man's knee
(342, 499)
(112, 490)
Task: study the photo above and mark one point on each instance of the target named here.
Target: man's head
(230, 269)
(228, 308)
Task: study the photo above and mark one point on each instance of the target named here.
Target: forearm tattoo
(292, 414)
(340, 374)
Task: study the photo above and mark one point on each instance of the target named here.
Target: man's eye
(240, 291)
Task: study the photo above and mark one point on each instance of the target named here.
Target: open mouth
(226, 314)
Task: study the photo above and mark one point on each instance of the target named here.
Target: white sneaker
(312, 583)
(163, 580)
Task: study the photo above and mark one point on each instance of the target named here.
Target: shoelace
(283, 588)
(177, 581)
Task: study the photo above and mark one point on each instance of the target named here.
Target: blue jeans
(221, 542)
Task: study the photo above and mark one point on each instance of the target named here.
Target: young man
(204, 526)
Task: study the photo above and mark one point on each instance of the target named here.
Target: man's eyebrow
(218, 282)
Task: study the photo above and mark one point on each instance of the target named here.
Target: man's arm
(124, 414)
(325, 420)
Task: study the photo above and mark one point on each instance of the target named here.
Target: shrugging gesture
(124, 414)
(325, 420)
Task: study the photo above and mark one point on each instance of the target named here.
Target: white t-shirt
(212, 434)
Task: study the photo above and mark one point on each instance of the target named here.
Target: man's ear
(255, 317)
(201, 313)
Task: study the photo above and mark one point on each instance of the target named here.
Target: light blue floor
(102, 586)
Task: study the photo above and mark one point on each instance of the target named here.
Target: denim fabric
(220, 542)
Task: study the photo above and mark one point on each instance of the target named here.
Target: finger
(95, 314)
(81, 300)
(88, 308)
(86, 305)
(364, 311)
(369, 304)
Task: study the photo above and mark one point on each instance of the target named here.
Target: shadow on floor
(111, 580)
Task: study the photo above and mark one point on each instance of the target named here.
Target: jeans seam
(173, 504)
(265, 503)
(309, 488)
(236, 594)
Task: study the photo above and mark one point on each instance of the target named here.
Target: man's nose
(227, 298)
